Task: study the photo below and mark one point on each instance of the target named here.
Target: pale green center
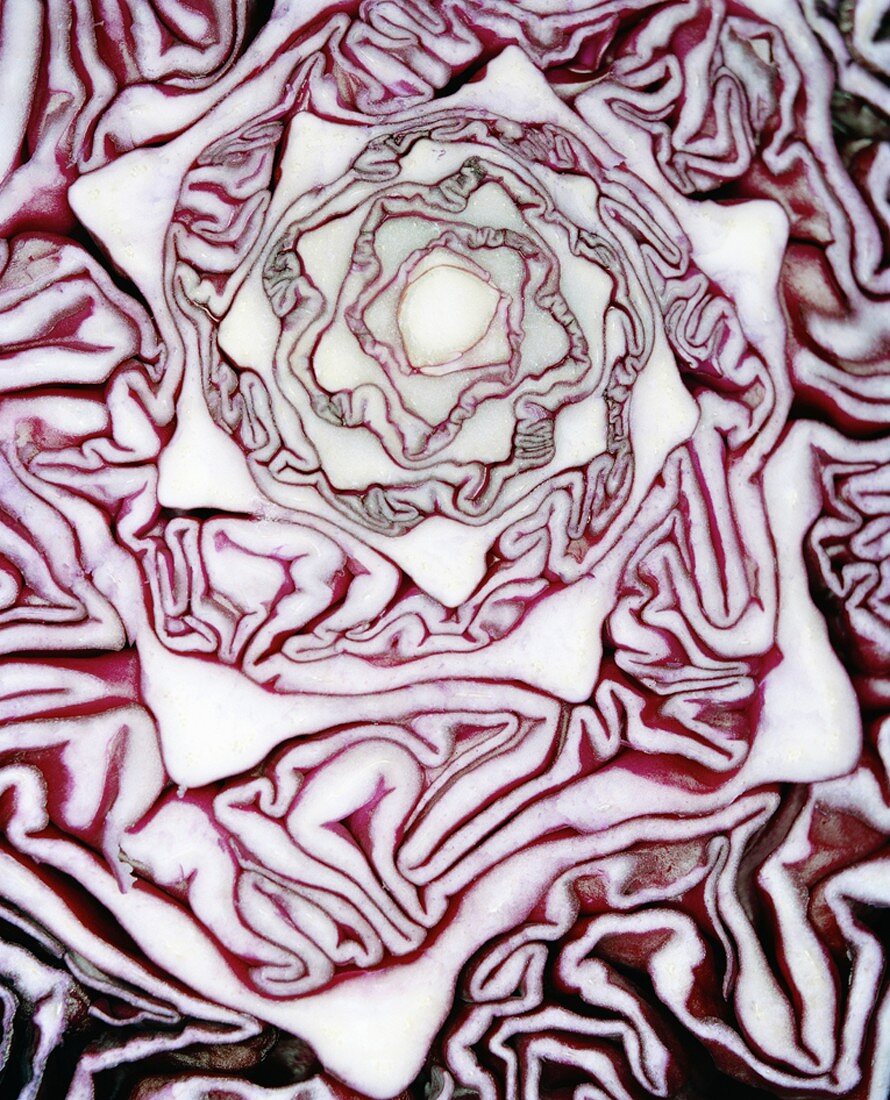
(443, 313)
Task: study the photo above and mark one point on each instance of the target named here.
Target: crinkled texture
(443, 549)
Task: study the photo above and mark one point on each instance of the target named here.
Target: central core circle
(443, 313)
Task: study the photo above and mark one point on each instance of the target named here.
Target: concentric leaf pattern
(444, 541)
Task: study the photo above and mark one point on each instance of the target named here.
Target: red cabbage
(444, 549)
